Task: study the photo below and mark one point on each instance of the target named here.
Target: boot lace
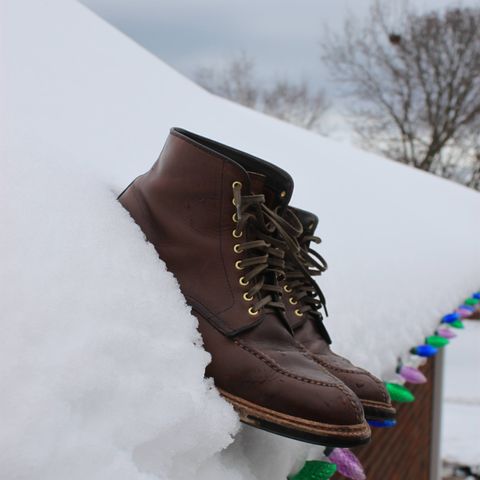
(272, 237)
(300, 268)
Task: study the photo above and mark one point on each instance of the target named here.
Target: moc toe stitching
(272, 364)
(340, 386)
(360, 371)
(355, 370)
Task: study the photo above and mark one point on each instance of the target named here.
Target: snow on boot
(205, 213)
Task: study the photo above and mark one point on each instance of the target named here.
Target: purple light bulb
(347, 463)
(464, 313)
(446, 333)
(411, 374)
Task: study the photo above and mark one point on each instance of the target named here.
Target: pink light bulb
(464, 313)
(412, 375)
(446, 333)
(347, 463)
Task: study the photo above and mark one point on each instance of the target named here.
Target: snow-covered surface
(101, 367)
(461, 408)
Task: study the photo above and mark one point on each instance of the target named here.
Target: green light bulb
(457, 324)
(315, 470)
(471, 301)
(436, 341)
(399, 393)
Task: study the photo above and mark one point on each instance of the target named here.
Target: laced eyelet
(292, 301)
(247, 297)
(238, 265)
(235, 217)
(243, 282)
(252, 311)
(287, 289)
(237, 248)
(298, 313)
(234, 185)
(236, 234)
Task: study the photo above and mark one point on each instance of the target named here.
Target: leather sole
(377, 410)
(298, 428)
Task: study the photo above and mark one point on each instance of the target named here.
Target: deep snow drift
(101, 366)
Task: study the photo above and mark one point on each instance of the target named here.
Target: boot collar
(278, 183)
(308, 220)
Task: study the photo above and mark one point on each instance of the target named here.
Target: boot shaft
(185, 207)
(304, 300)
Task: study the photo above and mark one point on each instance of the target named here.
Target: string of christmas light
(342, 460)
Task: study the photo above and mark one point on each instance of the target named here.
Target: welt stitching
(349, 431)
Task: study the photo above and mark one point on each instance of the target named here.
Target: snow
(100, 359)
(461, 407)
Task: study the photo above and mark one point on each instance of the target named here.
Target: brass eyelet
(283, 194)
(247, 297)
(243, 282)
(236, 234)
(235, 217)
(237, 265)
(234, 202)
(287, 289)
(237, 248)
(237, 184)
(298, 313)
(292, 301)
(252, 311)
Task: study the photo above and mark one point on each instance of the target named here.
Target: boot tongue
(271, 197)
(257, 182)
(274, 199)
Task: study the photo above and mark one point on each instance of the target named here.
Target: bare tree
(295, 103)
(235, 81)
(415, 84)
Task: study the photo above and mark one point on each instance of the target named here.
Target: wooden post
(411, 448)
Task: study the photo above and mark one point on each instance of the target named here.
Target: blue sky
(281, 36)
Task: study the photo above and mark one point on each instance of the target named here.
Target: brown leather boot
(304, 303)
(203, 209)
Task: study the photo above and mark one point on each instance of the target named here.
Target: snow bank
(101, 366)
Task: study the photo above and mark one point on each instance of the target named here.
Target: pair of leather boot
(221, 221)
